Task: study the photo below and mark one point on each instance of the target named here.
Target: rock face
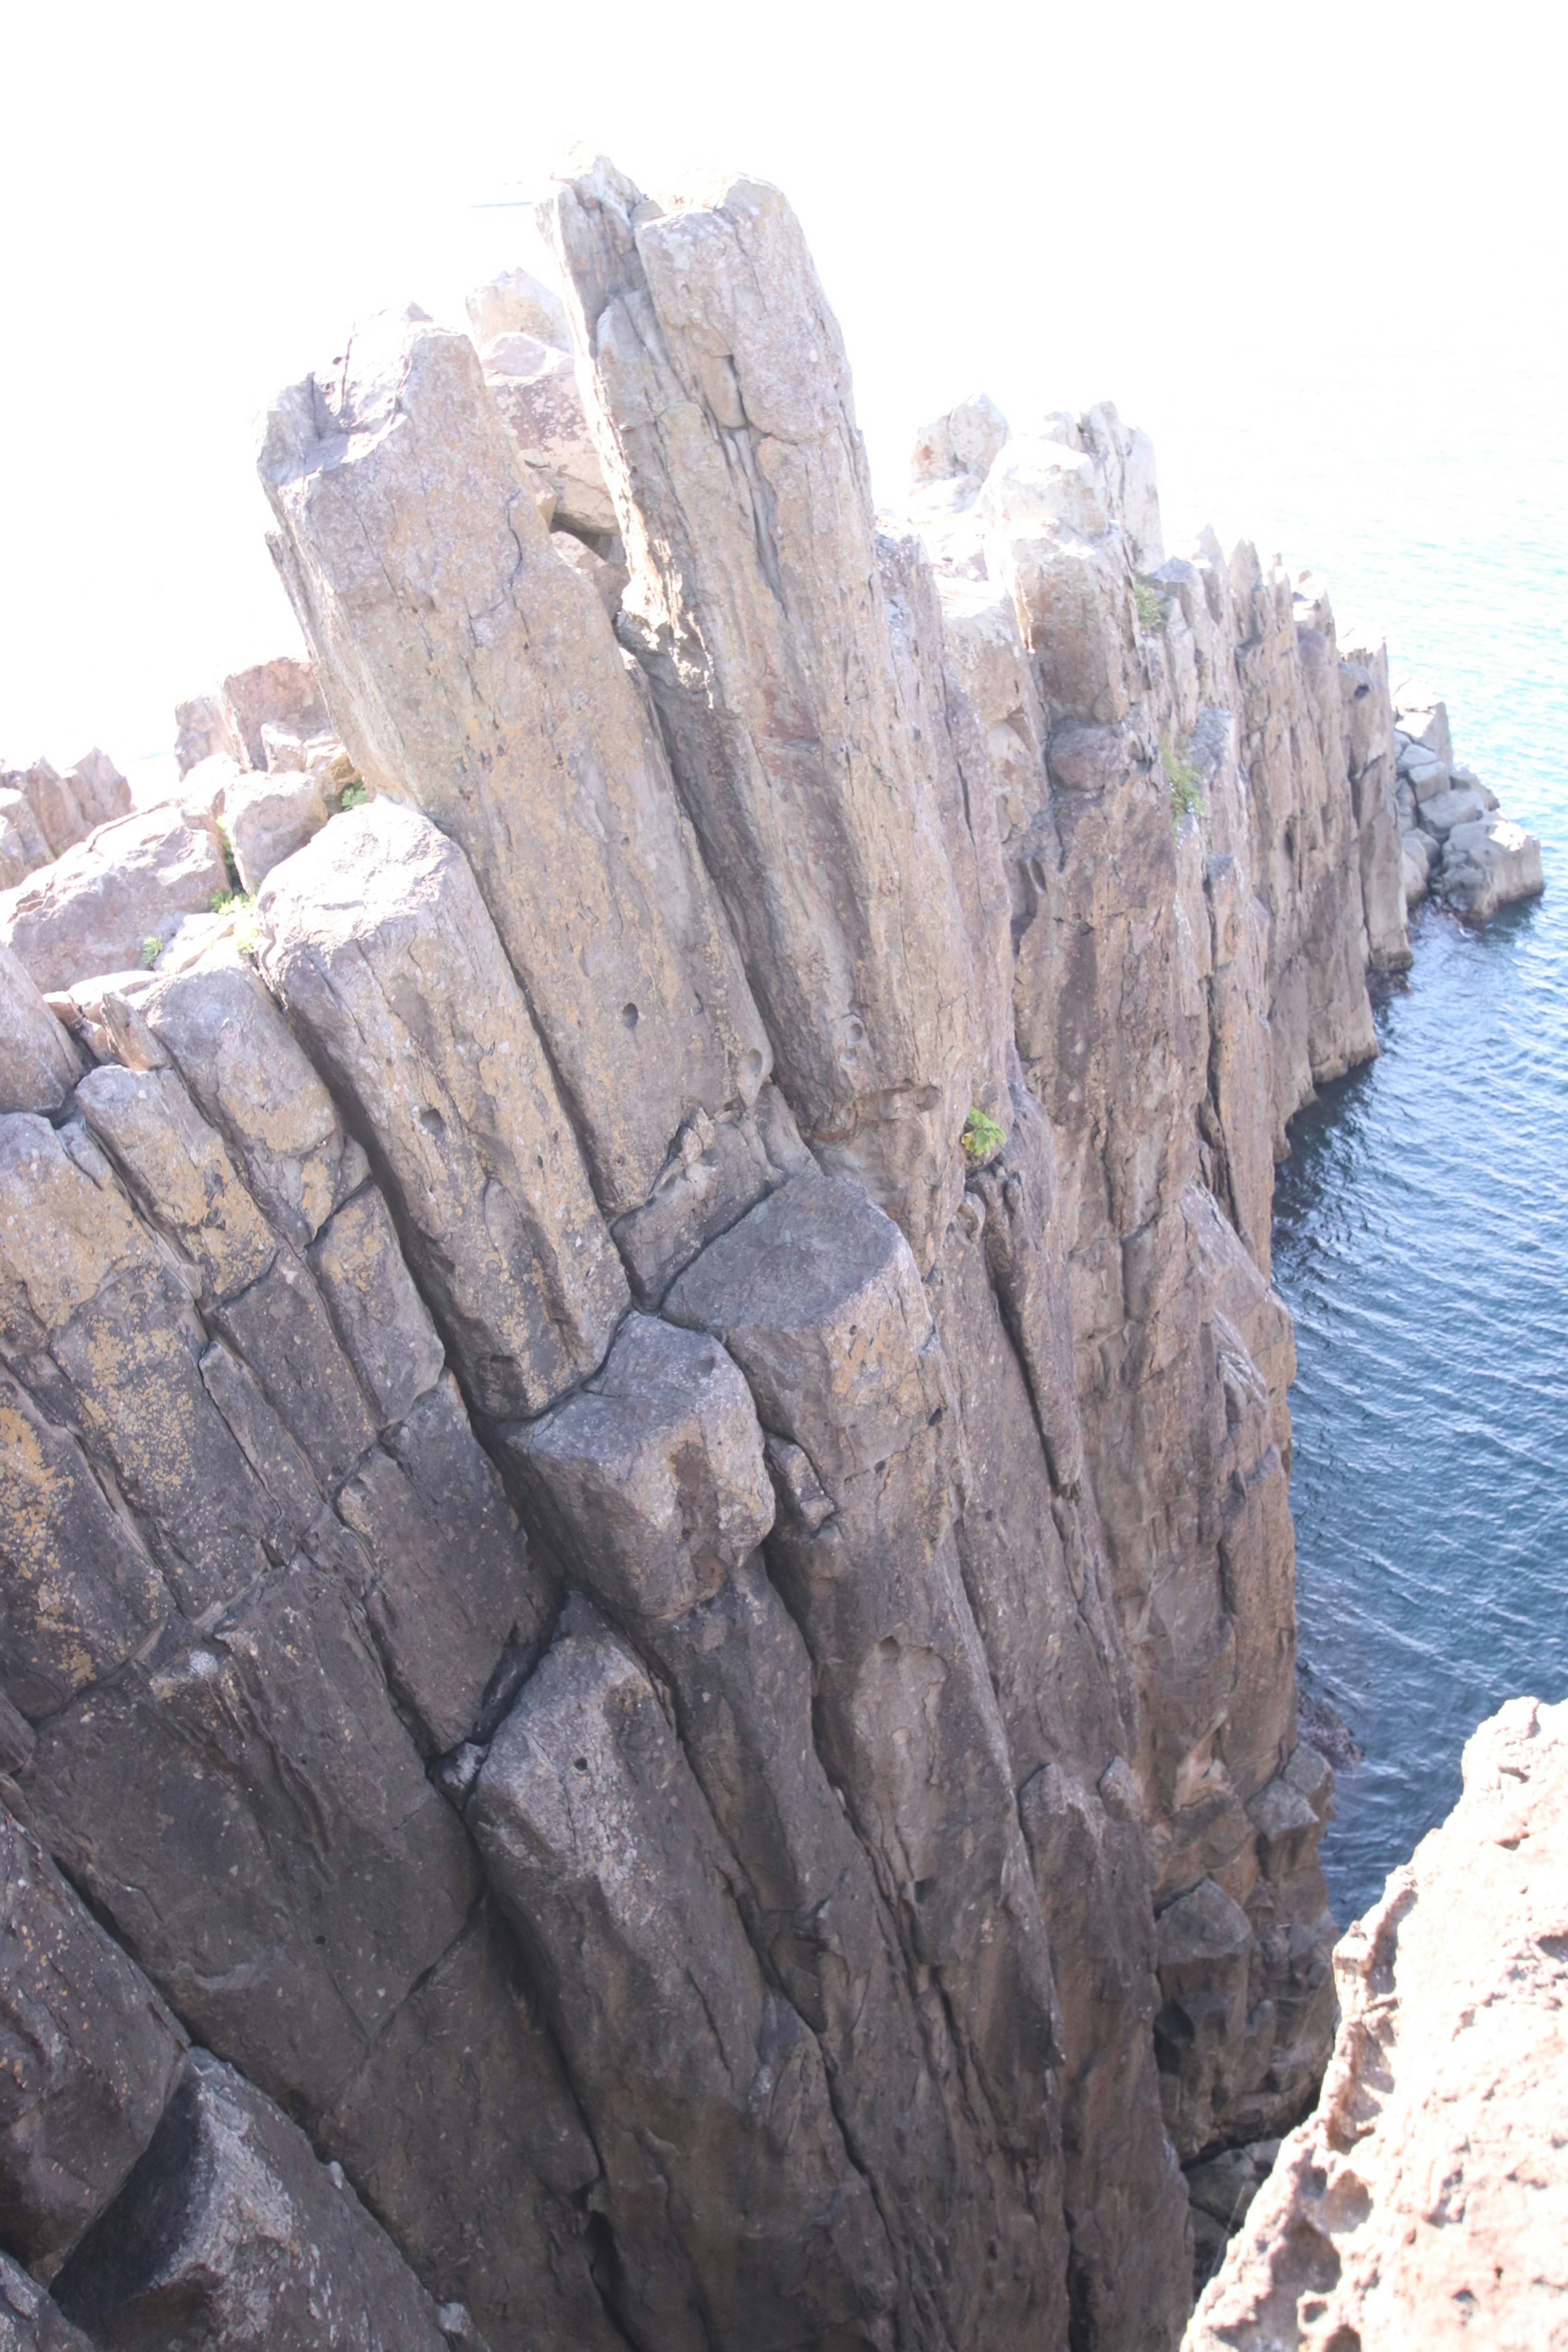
(1425, 2201)
(95, 909)
(647, 1577)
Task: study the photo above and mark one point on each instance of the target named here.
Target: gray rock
(230, 2234)
(692, 2070)
(253, 1083)
(244, 1808)
(816, 1297)
(383, 1322)
(713, 365)
(1488, 864)
(280, 693)
(379, 945)
(94, 909)
(1444, 811)
(91, 2054)
(539, 758)
(30, 2320)
(38, 1063)
(445, 1579)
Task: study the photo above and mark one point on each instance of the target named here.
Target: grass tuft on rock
(1185, 782)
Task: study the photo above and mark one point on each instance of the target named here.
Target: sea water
(1421, 1222)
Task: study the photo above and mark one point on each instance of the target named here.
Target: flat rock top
(1425, 2202)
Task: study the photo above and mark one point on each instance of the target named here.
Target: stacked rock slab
(691, 1677)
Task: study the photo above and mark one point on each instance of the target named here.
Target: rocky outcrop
(1455, 845)
(648, 1580)
(1425, 2200)
(97, 908)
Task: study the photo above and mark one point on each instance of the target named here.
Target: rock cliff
(1425, 2200)
(648, 1627)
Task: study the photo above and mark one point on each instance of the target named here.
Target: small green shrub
(1151, 608)
(235, 904)
(152, 949)
(1185, 782)
(982, 1139)
(355, 796)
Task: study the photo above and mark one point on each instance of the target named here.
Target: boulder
(281, 693)
(203, 729)
(1422, 719)
(1418, 855)
(23, 848)
(30, 2320)
(270, 815)
(1488, 864)
(38, 1063)
(101, 792)
(204, 787)
(535, 388)
(230, 2237)
(1444, 811)
(1425, 2200)
(516, 304)
(964, 441)
(54, 803)
(91, 2056)
(378, 943)
(95, 909)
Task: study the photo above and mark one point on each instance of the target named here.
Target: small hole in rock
(629, 1017)
(579, 1763)
(431, 1120)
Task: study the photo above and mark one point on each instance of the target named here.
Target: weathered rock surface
(380, 948)
(1425, 2200)
(38, 1064)
(228, 2233)
(90, 2057)
(643, 1474)
(535, 388)
(403, 514)
(94, 909)
(30, 2320)
(1490, 862)
(718, 395)
(515, 303)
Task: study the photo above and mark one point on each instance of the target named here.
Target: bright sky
(1201, 211)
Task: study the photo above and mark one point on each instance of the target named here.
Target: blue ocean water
(1421, 1235)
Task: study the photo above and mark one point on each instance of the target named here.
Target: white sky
(1227, 218)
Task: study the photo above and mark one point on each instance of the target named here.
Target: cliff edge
(1425, 2201)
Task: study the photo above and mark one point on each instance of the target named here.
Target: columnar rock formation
(649, 1587)
(1425, 2200)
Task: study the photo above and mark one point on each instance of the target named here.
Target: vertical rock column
(473, 673)
(719, 394)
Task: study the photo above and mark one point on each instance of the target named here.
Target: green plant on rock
(982, 1139)
(1185, 782)
(355, 796)
(152, 949)
(1151, 608)
(241, 910)
(230, 865)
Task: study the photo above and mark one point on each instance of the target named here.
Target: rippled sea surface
(1422, 1223)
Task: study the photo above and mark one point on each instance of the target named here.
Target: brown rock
(1425, 2201)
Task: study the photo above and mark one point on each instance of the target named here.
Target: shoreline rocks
(1426, 2200)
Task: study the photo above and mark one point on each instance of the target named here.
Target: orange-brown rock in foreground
(1425, 2201)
